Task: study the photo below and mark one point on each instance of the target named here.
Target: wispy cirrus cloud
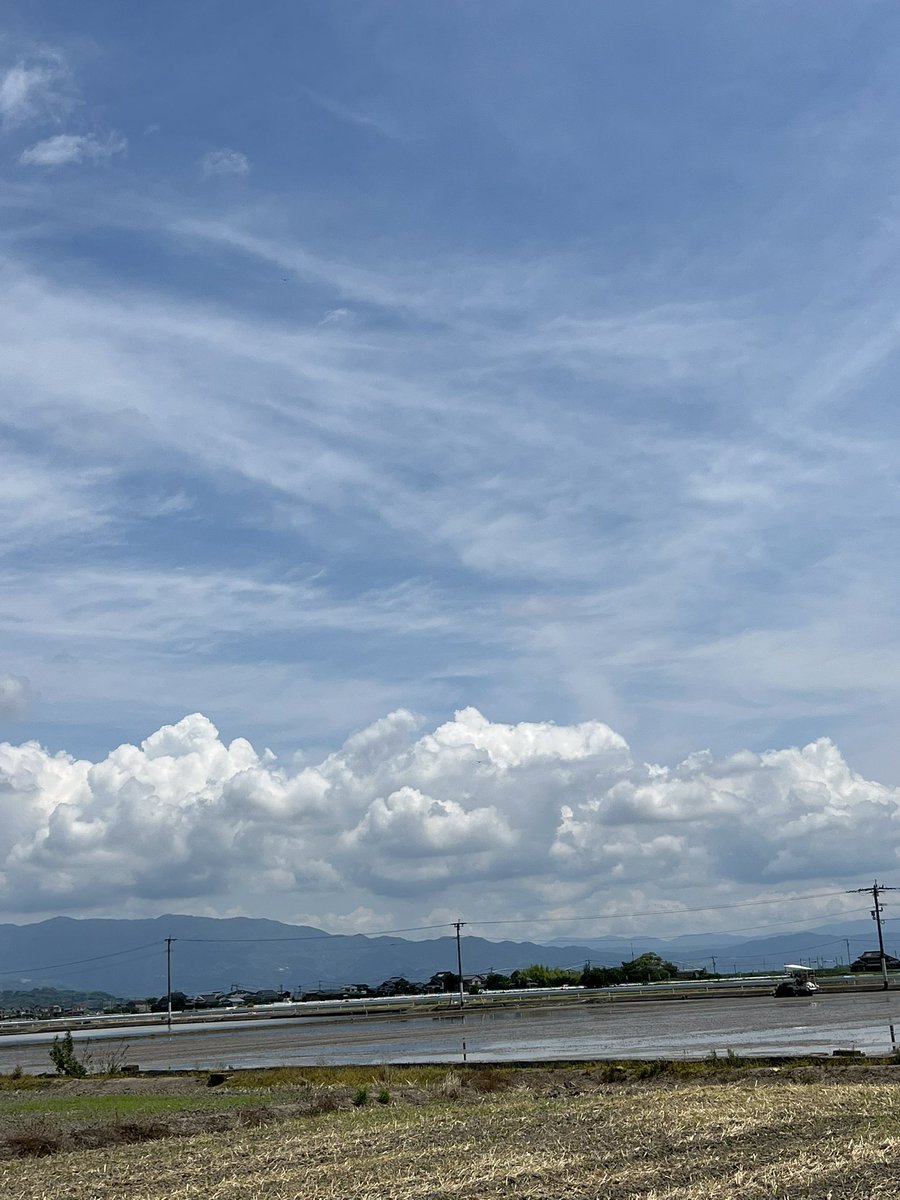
(365, 117)
(38, 87)
(43, 501)
(223, 163)
(597, 526)
(15, 696)
(65, 148)
(599, 451)
(180, 607)
(580, 406)
(41, 89)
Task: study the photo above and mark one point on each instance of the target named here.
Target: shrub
(384, 1096)
(34, 1140)
(64, 1058)
(361, 1097)
(108, 1060)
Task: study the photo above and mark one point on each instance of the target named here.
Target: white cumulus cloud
(493, 819)
(66, 148)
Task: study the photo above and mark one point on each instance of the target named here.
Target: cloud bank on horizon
(531, 360)
(523, 823)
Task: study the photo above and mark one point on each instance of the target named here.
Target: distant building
(352, 990)
(208, 1000)
(443, 981)
(870, 960)
(398, 985)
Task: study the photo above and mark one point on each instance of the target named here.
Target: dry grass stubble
(698, 1142)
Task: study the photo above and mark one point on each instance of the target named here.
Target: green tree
(648, 968)
(543, 976)
(602, 976)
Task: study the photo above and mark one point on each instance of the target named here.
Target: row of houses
(231, 999)
(45, 1012)
(399, 985)
(396, 985)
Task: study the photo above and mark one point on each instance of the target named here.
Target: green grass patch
(21, 1083)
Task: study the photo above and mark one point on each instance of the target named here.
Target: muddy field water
(757, 1025)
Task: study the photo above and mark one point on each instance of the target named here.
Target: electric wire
(529, 920)
(661, 912)
(319, 937)
(471, 925)
(77, 962)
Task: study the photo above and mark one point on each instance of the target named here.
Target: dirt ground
(757, 1139)
(617, 1131)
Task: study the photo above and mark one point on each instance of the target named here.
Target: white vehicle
(798, 981)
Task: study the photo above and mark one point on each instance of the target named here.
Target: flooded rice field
(753, 1025)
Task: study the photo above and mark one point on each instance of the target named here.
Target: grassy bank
(726, 1130)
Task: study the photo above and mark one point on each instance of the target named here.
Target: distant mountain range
(128, 958)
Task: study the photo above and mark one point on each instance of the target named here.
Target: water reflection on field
(671, 1029)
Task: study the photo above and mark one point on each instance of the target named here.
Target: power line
(321, 937)
(662, 912)
(733, 952)
(844, 912)
(448, 925)
(714, 933)
(77, 962)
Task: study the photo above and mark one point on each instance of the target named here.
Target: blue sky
(530, 358)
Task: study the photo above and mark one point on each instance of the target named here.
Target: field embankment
(645, 1130)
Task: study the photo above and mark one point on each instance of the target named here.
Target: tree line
(646, 968)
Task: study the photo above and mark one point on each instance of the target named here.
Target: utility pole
(847, 941)
(876, 889)
(459, 925)
(169, 942)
